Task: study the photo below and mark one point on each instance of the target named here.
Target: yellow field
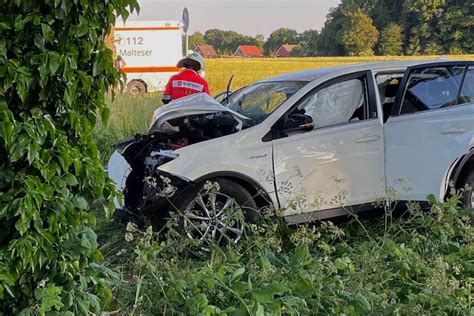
(247, 70)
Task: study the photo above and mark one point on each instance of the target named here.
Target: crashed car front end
(138, 177)
(134, 166)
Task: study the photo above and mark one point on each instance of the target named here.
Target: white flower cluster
(211, 187)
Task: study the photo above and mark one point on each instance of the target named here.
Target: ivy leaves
(54, 73)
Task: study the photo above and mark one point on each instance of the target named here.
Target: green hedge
(54, 73)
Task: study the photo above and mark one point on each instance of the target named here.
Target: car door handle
(449, 131)
(367, 139)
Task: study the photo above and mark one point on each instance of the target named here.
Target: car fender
(242, 154)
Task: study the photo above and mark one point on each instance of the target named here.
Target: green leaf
(302, 254)
(49, 298)
(9, 290)
(197, 303)
(71, 180)
(6, 277)
(54, 62)
(80, 203)
(266, 293)
(432, 199)
(240, 287)
(47, 32)
(82, 28)
(39, 41)
(6, 132)
(237, 274)
(361, 303)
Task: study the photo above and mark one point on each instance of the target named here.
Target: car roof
(313, 74)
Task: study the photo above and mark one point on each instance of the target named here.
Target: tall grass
(129, 116)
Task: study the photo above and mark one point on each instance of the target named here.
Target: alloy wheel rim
(214, 217)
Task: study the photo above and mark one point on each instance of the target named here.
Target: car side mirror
(297, 122)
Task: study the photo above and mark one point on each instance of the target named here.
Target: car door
(341, 161)
(431, 126)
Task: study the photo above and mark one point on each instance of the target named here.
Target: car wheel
(136, 87)
(216, 215)
(468, 195)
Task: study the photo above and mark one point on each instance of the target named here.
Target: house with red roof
(285, 50)
(206, 51)
(248, 51)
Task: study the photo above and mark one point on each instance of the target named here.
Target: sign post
(185, 20)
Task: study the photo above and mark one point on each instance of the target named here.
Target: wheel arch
(460, 170)
(261, 197)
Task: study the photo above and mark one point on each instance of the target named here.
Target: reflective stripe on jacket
(184, 83)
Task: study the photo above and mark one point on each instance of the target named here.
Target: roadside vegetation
(419, 262)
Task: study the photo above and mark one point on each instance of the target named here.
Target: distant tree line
(226, 42)
(368, 27)
(395, 27)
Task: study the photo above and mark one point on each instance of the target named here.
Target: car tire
(468, 195)
(136, 88)
(216, 215)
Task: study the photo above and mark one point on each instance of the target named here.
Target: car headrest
(392, 88)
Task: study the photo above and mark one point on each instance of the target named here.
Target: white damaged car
(315, 144)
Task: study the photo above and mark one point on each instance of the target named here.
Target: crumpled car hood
(195, 104)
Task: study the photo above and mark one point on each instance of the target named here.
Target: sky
(250, 17)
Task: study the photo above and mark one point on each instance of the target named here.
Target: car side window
(432, 88)
(467, 91)
(339, 103)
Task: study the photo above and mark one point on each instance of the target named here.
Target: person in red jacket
(187, 81)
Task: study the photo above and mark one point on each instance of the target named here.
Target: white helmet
(193, 59)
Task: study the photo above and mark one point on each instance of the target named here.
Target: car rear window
(432, 88)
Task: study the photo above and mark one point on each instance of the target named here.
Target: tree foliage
(307, 44)
(391, 40)
(279, 37)
(54, 73)
(226, 42)
(329, 39)
(428, 26)
(260, 41)
(196, 39)
(359, 35)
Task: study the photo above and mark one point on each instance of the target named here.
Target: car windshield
(259, 100)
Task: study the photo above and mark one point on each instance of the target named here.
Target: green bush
(416, 264)
(54, 73)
